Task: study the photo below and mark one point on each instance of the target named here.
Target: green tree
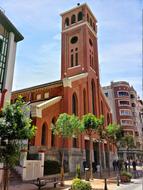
(15, 126)
(66, 127)
(91, 124)
(113, 134)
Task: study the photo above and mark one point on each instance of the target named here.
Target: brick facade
(79, 85)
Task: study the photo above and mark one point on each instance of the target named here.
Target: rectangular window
(1, 44)
(123, 93)
(125, 112)
(72, 63)
(126, 122)
(124, 103)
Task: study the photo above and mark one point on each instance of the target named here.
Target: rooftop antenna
(78, 4)
(1, 9)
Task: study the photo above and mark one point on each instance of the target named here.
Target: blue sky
(38, 57)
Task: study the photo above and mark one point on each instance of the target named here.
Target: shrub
(51, 167)
(78, 184)
(127, 174)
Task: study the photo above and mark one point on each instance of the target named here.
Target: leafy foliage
(128, 142)
(91, 123)
(114, 132)
(78, 184)
(67, 125)
(14, 122)
(124, 173)
(15, 125)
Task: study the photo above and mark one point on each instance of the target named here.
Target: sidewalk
(97, 184)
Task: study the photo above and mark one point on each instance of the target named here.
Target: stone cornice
(67, 82)
(37, 108)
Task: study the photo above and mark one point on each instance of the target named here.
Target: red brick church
(78, 92)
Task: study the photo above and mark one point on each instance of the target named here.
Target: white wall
(10, 66)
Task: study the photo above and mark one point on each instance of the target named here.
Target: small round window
(74, 40)
(90, 41)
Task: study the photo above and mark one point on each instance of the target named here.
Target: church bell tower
(79, 42)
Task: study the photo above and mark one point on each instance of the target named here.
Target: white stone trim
(81, 24)
(86, 138)
(67, 82)
(36, 108)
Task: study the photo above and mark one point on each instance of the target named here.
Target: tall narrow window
(72, 63)
(66, 22)
(52, 135)
(93, 26)
(73, 19)
(76, 58)
(80, 16)
(90, 59)
(84, 101)
(93, 96)
(90, 22)
(74, 104)
(87, 18)
(108, 118)
(102, 111)
(43, 137)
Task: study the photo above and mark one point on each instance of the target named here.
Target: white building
(9, 36)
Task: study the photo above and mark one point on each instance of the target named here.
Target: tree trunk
(91, 169)
(100, 162)
(108, 145)
(5, 178)
(62, 164)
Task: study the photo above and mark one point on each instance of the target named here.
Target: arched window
(43, 136)
(73, 19)
(66, 22)
(93, 96)
(84, 102)
(74, 104)
(80, 16)
(52, 135)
